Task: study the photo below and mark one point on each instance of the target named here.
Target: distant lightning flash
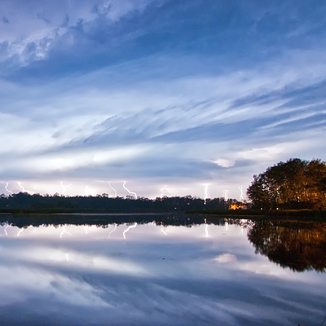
(130, 192)
(225, 194)
(6, 187)
(206, 229)
(163, 190)
(206, 194)
(130, 227)
(20, 231)
(64, 231)
(163, 229)
(115, 192)
(115, 226)
(19, 184)
(241, 193)
(5, 230)
(64, 187)
(85, 227)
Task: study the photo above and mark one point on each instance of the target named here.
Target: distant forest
(292, 185)
(36, 203)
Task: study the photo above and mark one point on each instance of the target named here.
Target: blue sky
(173, 97)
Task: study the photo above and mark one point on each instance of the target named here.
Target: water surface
(156, 274)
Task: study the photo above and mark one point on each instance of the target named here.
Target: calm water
(163, 275)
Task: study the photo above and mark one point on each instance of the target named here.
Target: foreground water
(149, 274)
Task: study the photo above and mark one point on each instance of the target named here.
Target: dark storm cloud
(252, 33)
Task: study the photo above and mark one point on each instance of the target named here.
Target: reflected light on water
(5, 229)
(162, 229)
(19, 232)
(115, 227)
(127, 230)
(192, 277)
(64, 232)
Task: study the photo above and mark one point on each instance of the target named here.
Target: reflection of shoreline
(102, 220)
(299, 246)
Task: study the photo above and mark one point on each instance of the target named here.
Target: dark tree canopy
(295, 184)
(299, 246)
(27, 203)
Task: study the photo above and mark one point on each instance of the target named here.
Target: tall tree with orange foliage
(295, 184)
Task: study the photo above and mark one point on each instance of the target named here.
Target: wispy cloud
(157, 89)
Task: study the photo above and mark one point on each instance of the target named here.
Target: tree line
(294, 184)
(37, 203)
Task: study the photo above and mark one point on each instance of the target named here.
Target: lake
(220, 272)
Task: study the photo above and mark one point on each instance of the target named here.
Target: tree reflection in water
(299, 246)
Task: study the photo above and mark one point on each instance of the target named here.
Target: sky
(158, 97)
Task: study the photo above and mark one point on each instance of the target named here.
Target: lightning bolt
(225, 194)
(21, 186)
(86, 190)
(243, 225)
(5, 230)
(115, 192)
(163, 190)
(64, 231)
(64, 187)
(67, 257)
(130, 192)
(85, 227)
(206, 194)
(130, 227)
(226, 226)
(163, 229)
(115, 226)
(6, 187)
(20, 231)
(206, 228)
(241, 193)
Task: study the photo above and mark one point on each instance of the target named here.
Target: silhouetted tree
(293, 184)
(299, 246)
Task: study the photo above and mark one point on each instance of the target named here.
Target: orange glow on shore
(236, 206)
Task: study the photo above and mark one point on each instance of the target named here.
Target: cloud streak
(157, 90)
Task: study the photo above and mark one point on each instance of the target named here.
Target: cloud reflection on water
(179, 278)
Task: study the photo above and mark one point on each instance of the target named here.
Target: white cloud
(225, 258)
(154, 108)
(224, 162)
